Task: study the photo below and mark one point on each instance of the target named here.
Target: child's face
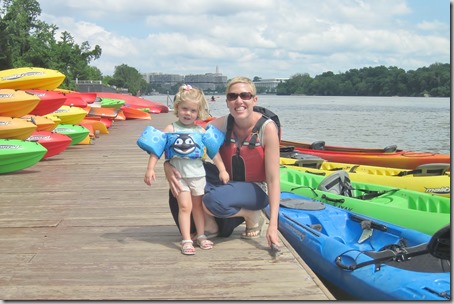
(188, 111)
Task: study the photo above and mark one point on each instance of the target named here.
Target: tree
(27, 41)
(128, 77)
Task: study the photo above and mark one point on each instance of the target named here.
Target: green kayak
(112, 103)
(424, 212)
(76, 132)
(18, 154)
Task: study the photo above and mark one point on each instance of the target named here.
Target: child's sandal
(187, 248)
(204, 243)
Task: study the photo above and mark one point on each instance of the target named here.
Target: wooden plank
(84, 226)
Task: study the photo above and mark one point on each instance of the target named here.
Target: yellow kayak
(428, 178)
(69, 115)
(30, 78)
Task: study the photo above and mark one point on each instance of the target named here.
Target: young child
(189, 105)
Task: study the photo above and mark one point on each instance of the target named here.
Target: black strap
(398, 254)
(228, 132)
(255, 131)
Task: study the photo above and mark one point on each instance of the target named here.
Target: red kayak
(387, 157)
(135, 102)
(55, 143)
(49, 101)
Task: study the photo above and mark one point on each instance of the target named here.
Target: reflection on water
(411, 123)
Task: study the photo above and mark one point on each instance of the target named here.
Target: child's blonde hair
(189, 93)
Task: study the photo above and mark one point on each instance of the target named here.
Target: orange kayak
(131, 113)
(15, 128)
(387, 157)
(16, 103)
(102, 112)
(42, 123)
(98, 126)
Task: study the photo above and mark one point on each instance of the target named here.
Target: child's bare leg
(184, 214)
(199, 221)
(198, 214)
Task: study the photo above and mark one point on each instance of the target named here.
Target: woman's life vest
(245, 161)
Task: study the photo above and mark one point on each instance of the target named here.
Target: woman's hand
(224, 176)
(272, 236)
(172, 176)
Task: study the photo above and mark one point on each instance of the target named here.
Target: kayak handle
(334, 200)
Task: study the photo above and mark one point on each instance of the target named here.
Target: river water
(411, 123)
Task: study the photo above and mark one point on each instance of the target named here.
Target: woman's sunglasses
(243, 95)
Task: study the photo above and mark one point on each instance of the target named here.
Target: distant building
(268, 85)
(96, 86)
(207, 81)
(166, 81)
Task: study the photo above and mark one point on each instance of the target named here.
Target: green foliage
(128, 77)
(434, 80)
(26, 41)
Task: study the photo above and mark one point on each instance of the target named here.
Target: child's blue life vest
(181, 144)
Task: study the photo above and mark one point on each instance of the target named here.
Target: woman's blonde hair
(189, 93)
(241, 79)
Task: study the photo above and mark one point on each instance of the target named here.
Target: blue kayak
(366, 258)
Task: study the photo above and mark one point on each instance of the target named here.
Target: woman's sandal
(254, 232)
(187, 248)
(204, 243)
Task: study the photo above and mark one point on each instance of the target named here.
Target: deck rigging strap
(393, 253)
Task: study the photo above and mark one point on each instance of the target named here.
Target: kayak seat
(431, 169)
(337, 183)
(390, 149)
(318, 145)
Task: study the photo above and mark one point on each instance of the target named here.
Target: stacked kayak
(49, 101)
(69, 115)
(30, 78)
(112, 103)
(415, 210)
(18, 154)
(55, 143)
(42, 123)
(15, 128)
(78, 99)
(77, 133)
(17, 103)
(367, 258)
(386, 157)
(427, 178)
(136, 102)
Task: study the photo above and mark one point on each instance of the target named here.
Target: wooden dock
(82, 225)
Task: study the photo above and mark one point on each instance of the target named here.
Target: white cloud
(272, 38)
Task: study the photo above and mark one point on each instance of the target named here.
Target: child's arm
(150, 176)
(223, 175)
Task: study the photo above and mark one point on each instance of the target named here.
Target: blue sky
(266, 38)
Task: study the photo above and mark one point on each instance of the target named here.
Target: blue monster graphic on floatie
(181, 144)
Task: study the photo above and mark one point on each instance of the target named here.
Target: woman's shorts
(226, 200)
